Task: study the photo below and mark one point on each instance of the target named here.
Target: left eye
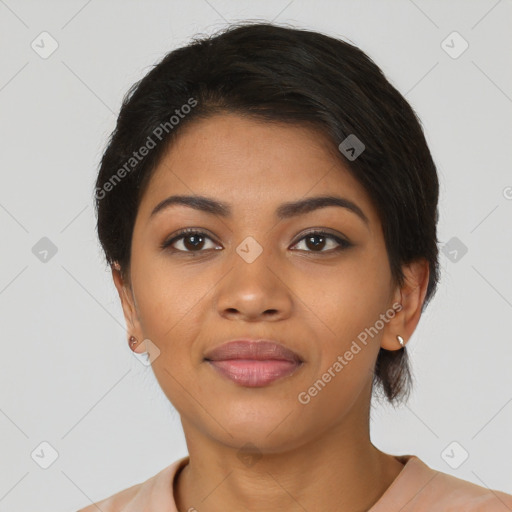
(318, 240)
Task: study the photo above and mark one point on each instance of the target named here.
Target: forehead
(252, 163)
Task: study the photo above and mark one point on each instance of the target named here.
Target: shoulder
(157, 490)
(455, 492)
(427, 488)
(115, 502)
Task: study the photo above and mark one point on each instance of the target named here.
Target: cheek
(343, 364)
(343, 306)
(165, 293)
(168, 304)
(348, 298)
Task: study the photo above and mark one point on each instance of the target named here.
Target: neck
(337, 470)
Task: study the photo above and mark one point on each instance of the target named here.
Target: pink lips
(253, 363)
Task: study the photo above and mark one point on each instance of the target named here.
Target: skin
(317, 456)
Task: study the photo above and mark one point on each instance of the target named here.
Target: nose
(255, 291)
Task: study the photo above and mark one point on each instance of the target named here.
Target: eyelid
(341, 240)
(179, 235)
(320, 231)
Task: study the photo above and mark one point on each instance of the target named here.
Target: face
(255, 271)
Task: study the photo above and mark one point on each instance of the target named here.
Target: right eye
(189, 240)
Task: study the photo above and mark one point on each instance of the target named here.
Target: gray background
(67, 376)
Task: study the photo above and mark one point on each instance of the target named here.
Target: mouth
(253, 363)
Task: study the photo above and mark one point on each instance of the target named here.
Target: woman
(268, 205)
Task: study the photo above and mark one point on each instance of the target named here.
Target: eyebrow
(284, 211)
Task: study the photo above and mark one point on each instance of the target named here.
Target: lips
(253, 363)
(261, 350)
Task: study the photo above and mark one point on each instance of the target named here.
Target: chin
(270, 428)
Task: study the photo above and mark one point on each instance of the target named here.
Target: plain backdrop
(68, 378)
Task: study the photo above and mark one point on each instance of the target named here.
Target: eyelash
(343, 244)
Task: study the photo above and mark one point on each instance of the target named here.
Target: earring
(400, 340)
(133, 341)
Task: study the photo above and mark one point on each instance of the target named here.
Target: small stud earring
(400, 340)
(133, 340)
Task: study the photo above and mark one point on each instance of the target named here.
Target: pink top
(417, 488)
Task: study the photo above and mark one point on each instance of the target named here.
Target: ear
(411, 297)
(129, 308)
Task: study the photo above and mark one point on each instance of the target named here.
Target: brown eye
(190, 241)
(317, 241)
